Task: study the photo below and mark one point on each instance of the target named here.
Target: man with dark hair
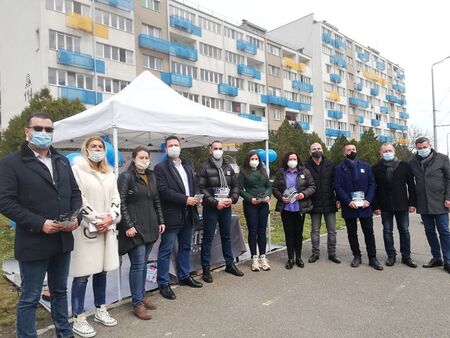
(432, 173)
(220, 187)
(38, 191)
(177, 187)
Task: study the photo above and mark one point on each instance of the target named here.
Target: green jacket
(253, 185)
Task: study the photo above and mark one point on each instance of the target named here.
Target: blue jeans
(431, 222)
(168, 238)
(138, 271)
(402, 219)
(79, 291)
(256, 217)
(212, 216)
(32, 275)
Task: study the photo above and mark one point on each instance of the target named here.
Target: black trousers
(293, 232)
(369, 237)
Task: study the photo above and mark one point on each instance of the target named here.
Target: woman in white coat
(95, 248)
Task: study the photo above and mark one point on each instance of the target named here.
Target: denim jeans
(369, 237)
(402, 219)
(32, 275)
(168, 238)
(330, 221)
(293, 222)
(138, 271)
(212, 216)
(431, 222)
(256, 217)
(79, 291)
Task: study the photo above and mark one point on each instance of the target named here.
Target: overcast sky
(412, 35)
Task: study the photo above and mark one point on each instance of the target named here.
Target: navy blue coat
(173, 194)
(350, 177)
(29, 197)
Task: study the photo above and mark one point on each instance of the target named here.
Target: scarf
(218, 164)
(391, 166)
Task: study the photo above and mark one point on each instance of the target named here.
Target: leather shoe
(149, 304)
(447, 267)
(166, 292)
(374, 263)
(290, 264)
(141, 312)
(314, 258)
(207, 277)
(390, 261)
(232, 268)
(299, 263)
(409, 262)
(334, 259)
(190, 282)
(433, 263)
(356, 262)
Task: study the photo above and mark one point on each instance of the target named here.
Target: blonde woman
(95, 248)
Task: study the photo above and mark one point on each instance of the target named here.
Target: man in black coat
(395, 196)
(220, 186)
(175, 179)
(37, 188)
(324, 202)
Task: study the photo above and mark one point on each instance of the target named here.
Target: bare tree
(414, 132)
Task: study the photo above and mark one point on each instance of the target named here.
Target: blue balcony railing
(401, 102)
(335, 78)
(248, 71)
(374, 91)
(326, 37)
(246, 46)
(400, 76)
(364, 57)
(251, 117)
(176, 79)
(335, 114)
(359, 86)
(398, 88)
(85, 96)
(80, 60)
(306, 87)
(381, 66)
(385, 139)
(384, 110)
(298, 105)
(275, 100)
(126, 5)
(336, 132)
(391, 98)
(227, 89)
(304, 125)
(358, 102)
(375, 122)
(404, 115)
(340, 44)
(359, 119)
(338, 61)
(185, 25)
(167, 47)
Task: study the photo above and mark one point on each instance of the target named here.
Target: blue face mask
(424, 152)
(388, 156)
(41, 139)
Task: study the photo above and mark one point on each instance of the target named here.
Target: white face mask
(141, 164)
(174, 152)
(292, 164)
(96, 156)
(254, 163)
(217, 154)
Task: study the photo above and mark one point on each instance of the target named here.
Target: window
(349, 60)
(328, 69)
(304, 79)
(67, 6)
(59, 40)
(154, 5)
(254, 87)
(305, 99)
(151, 30)
(182, 13)
(234, 58)
(350, 77)
(152, 62)
(114, 53)
(258, 43)
(190, 96)
(181, 68)
(276, 114)
(327, 49)
(211, 77)
(274, 71)
(232, 34)
(274, 91)
(288, 75)
(209, 25)
(290, 95)
(273, 50)
(111, 85)
(113, 20)
(210, 51)
(236, 82)
(212, 102)
(61, 77)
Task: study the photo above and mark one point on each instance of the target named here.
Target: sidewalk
(322, 300)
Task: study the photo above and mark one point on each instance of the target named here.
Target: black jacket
(140, 208)
(395, 196)
(209, 181)
(173, 194)
(28, 196)
(324, 198)
(305, 185)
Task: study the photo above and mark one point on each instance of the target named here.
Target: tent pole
(116, 171)
(268, 173)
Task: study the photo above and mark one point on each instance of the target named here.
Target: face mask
(352, 155)
(96, 156)
(424, 152)
(388, 156)
(217, 154)
(254, 163)
(317, 154)
(173, 152)
(292, 164)
(142, 164)
(41, 139)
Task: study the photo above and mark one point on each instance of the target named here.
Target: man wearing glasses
(37, 189)
(218, 183)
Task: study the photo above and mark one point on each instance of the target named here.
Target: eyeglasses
(39, 128)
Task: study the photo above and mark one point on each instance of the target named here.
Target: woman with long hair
(95, 241)
(293, 187)
(255, 189)
(142, 221)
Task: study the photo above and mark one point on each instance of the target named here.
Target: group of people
(76, 221)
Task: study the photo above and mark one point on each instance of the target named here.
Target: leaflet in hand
(93, 225)
(358, 198)
(291, 193)
(221, 194)
(199, 196)
(68, 218)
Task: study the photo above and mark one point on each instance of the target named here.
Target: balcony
(85, 96)
(374, 91)
(338, 43)
(337, 60)
(176, 79)
(392, 125)
(167, 47)
(283, 102)
(391, 98)
(398, 88)
(334, 96)
(358, 102)
(185, 25)
(327, 39)
(251, 117)
(359, 119)
(126, 5)
(304, 125)
(359, 86)
(400, 76)
(384, 110)
(385, 139)
(74, 59)
(374, 77)
(335, 78)
(288, 62)
(364, 57)
(84, 23)
(381, 66)
(404, 115)
(402, 140)
(246, 46)
(227, 89)
(248, 71)
(336, 132)
(298, 105)
(375, 122)
(401, 102)
(306, 87)
(335, 114)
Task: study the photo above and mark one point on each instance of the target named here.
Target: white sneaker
(102, 316)
(264, 263)
(82, 328)
(255, 263)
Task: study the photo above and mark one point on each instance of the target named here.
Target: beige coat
(94, 252)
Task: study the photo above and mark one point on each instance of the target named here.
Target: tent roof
(147, 111)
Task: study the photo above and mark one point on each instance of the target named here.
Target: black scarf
(391, 166)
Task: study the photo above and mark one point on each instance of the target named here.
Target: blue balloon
(72, 156)
(13, 224)
(110, 155)
(261, 153)
(272, 155)
(162, 146)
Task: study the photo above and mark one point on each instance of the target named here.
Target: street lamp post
(433, 101)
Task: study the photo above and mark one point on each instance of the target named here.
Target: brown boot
(141, 312)
(149, 304)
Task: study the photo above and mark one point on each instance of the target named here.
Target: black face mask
(352, 155)
(317, 154)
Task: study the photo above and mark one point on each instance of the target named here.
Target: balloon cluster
(109, 155)
(262, 154)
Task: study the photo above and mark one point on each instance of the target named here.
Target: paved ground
(322, 300)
